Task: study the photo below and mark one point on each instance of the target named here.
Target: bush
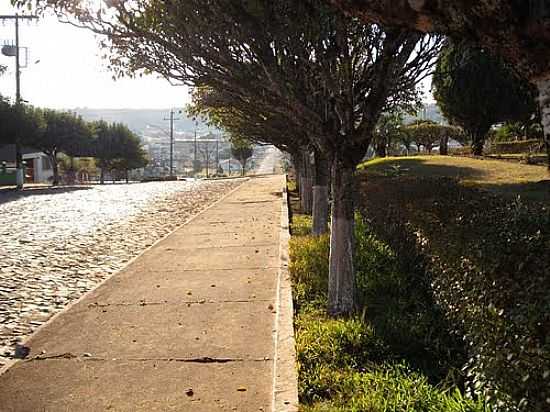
(517, 147)
(398, 300)
(488, 259)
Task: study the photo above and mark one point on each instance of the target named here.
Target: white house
(38, 168)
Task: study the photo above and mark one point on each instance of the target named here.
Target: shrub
(520, 146)
(488, 259)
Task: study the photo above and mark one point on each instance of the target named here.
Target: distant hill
(430, 112)
(138, 119)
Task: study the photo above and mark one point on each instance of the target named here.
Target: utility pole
(217, 153)
(172, 119)
(195, 149)
(19, 176)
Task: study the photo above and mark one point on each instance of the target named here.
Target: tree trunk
(478, 141)
(320, 195)
(55, 169)
(341, 289)
(444, 145)
(380, 149)
(306, 183)
(102, 176)
(127, 177)
(543, 86)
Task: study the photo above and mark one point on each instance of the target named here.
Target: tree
(58, 135)
(476, 90)
(515, 30)
(308, 62)
(388, 131)
(241, 150)
(428, 134)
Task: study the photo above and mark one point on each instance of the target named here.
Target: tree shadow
(469, 177)
(10, 195)
(419, 167)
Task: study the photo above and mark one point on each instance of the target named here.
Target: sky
(70, 72)
(65, 71)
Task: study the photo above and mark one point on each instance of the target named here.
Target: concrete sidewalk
(190, 325)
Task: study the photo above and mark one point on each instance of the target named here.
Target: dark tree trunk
(320, 195)
(478, 140)
(543, 86)
(306, 183)
(444, 145)
(341, 289)
(102, 176)
(127, 177)
(55, 169)
(380, 149)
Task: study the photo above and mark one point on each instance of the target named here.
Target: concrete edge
(285, 376)
(11, 363)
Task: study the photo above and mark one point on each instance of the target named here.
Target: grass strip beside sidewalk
(394, 356)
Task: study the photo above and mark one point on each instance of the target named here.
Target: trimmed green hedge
(518, 147)
(488, 259)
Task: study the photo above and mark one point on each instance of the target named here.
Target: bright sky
(72, 74)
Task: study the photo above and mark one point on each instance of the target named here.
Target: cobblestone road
(57, 244)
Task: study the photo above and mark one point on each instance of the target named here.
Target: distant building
(38, 168)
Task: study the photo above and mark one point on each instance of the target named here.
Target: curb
(285, 377)
(11, 363)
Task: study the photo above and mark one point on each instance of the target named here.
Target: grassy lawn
(510, 179)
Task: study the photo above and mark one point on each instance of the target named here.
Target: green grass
(384, 359)
(505, 178)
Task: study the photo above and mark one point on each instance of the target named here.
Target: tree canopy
(476, 90)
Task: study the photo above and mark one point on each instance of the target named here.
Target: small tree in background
(60, 133)
(476, 90)
(387, 132)
(242, 150)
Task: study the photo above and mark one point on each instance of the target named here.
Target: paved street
(57, 244)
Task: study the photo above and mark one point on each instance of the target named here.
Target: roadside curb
(285, 377)
(68, 307)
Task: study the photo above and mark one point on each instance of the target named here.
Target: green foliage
(476, 90)
(519, 131)
(301, 225)
(242, 150)
(309, 268)
(518, 147)
(356, 363)
(429, 134)
(488, 260)
(117, 148)
(386, 388)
